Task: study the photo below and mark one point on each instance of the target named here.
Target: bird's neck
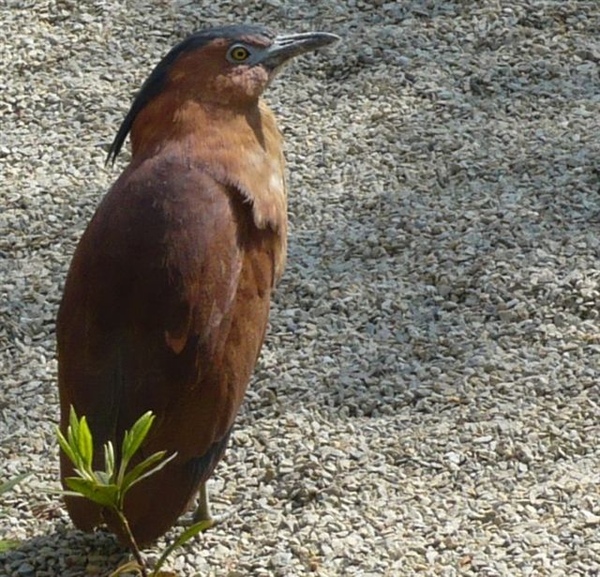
(166, 120)
(239, 147)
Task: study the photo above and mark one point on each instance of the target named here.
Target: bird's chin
(243, 83)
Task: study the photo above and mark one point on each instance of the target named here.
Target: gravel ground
(427, 401)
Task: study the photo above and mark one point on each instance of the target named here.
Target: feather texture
(165, 309)
(167, 299)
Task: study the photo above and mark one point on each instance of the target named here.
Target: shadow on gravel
(64, 553)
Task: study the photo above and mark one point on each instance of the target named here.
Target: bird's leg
(202, 512)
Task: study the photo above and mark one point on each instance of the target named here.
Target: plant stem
(132, 542)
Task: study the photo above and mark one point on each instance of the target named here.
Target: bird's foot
(203, 513)
(192, 518)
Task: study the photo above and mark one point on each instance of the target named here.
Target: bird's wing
(146, 320)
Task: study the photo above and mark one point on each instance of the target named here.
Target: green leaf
(137, 474)
(84, 474)
(65, 493)
(73, 420)
(66, 447)
(107, 488)
(135, 436)
(103, 478)
(78, 444)
(85, 444)
(132, 441)
(129, 567)
(109, 459)
(106, 495)
(73, 435)
(8, 485)
(8, 544)
(139, 469)
(190, 532)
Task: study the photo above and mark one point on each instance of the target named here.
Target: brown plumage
(167, 299)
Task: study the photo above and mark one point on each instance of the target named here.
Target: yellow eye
(238, 53)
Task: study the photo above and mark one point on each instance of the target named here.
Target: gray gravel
(427, 401)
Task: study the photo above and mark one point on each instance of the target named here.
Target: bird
(166, 301)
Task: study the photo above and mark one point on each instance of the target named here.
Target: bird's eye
(238, 53)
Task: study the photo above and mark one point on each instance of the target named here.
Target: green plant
(109, 487)
(6, 544)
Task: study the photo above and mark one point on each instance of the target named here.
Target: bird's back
(165, 308)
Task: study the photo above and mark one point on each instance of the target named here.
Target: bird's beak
(288, 46)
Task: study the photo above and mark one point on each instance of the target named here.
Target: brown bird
(167, 298)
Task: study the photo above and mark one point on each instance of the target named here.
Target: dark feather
(180, 255)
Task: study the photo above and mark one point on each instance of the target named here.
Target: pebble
(25, 570)
(427, 401)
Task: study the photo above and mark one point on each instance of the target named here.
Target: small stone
(25, 570)
(428, 388)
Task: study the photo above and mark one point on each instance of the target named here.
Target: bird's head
(226, 66)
